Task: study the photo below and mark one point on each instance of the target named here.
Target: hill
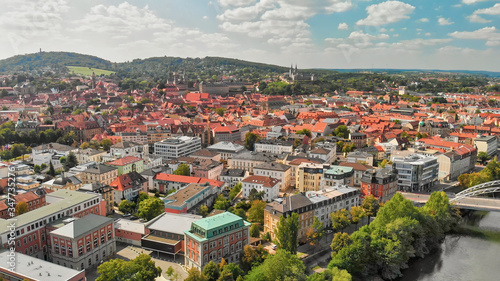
(87, 71)
(53, 60)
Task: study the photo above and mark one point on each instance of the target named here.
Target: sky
(334, 34)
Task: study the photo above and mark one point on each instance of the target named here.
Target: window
(109, 235)
(88, 246)
(70, 251)
(102, 238)
(205, 246)
(63, 250)
(97, 257)
(36, 247)
(56, 248)
(81, 266)
(34, 236)
(43, 237)
(95, 242)
(90, 261)
(80, 251)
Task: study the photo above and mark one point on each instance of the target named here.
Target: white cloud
(489, 34)
(477, 18)
(423, 20)
(205, 17)
(428, 34)
(343, 26)
(357, 39)
(386, 12)
(443, 21)
(470, 2)
(235, 3)
(495, 10)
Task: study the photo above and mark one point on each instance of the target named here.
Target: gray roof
(81, 226)
(289, 204)
(38, 269)
(233, 173)
(56, 146)
(68, 198)
(173, 223)
(226, 146)
(273, 166)
(100, 169)
(256, 156)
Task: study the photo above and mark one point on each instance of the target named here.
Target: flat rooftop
(37, 269)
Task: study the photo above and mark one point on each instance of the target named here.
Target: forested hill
(52, 60)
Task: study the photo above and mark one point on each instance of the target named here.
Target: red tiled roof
(187, 179)
(265, 181)
(124, 161)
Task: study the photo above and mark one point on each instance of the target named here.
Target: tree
(141, 197)
(37, 169)
(211, 271)
(85, 145)
(52, 171)
(235, 190)
(204, 210)
(195, 275)
(340, 219)
(286, 232)
(106, 144)
(254, 230)
(281, 266)
(483, 157)
(183, 170)
(250, 140)
(229, 272)
(170, 272)
(221, 203)
(340, 274)
(370, 206)
(339, 241)
(256, 212)
(150, 208)
(252, 257)
(315, 232)
(383, 163)
(255, 195)
(341, 131)
(304, 132)
(21, 208)
(71, 161)
(357, 213)
(139, 269)
(220, 111)
(126, 206)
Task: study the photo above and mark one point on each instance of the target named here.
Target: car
(127, 215)
(275, 247)
(329, 231)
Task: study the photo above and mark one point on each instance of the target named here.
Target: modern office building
(416, 172)
(176, 147)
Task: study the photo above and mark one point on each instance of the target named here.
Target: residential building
(226, 149)
(207, 168)
(274, 146)
(456, 162)
(359, 139)
(434, 127)
(416, 172)
(128, 164)
(233, 176)
(190, 197)
(176, 147)
(276, 170)
(82, 242)
(128, 148)
(248, 159)
(100, 173)
(309, 177)
(128, 186)
(326, 154)
(166, 182)
(206, 154)
(488, 144)
(213, 238)
(166, 233)
(297, 203)
(332, 199)
(360, 157)
(229, 133)
(359, 170)
(338, 175)
(381, 183)
(270, 186)
(33, 199)
(105, 190)
(30, 268)
(63, 182)
(89, 155)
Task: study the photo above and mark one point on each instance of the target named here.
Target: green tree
(254, 230)
(383, 163)
(357, 213)
(139, 269)
(141, 197)
(204, 210)
(483, 157)
(106, 144)
(256, 212)
(235, 190)
(340, 275)
(21, 208)
(370, 206)
(183, 170)
(126, 206)
(304, 132)
(71, 161)
(256, 195)
(195, 275)
(250, 140)
(239, 212)
(52, 171)
(341, 131)
(221, 203)
(150, 208)
(230, 272)
(281, 266)
(340, 219)
(252, 257)
(220, 111)
(170, 272)
(339, 241)
(37, 169)
(211, 271)
(286, 233)
(315, 232)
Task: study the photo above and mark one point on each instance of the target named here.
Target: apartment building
(213, 238)
(309, 177)
(274, 146)
(275, 170)
(99, 173)
(270, 186)
(381, 183)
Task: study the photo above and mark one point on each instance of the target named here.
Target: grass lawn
(87, 71)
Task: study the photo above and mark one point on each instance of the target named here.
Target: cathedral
(295, 75)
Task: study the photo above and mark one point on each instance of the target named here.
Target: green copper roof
(215, 225)
(338, 170)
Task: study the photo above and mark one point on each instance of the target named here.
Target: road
(473, 203)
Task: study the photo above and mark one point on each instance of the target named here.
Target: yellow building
(297, 203)
(308, 177)
(100, 173)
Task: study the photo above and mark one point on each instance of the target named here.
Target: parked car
(275, 247)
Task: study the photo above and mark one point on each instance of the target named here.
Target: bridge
(467, 199)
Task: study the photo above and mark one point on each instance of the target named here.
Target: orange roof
(187, 179)
(124, 161)
(265, 181)
(122, 182)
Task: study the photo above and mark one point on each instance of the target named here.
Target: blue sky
(426, 34)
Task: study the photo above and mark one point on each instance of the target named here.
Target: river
(461, 258)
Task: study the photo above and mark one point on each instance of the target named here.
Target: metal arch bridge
(483, 188)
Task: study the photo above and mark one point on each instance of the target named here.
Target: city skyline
(313, 34)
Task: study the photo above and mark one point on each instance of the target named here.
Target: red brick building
(381, 183)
